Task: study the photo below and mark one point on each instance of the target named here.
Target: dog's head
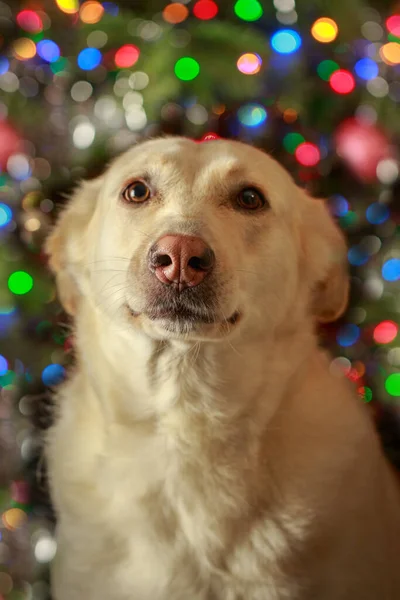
(193, 240)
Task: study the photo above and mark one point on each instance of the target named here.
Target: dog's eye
(250, 199)
(137, 191)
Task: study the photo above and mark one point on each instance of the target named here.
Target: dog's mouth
(185, 315)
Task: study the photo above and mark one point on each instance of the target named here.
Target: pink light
(393, 25)
(29, 21)
(342, 82)
(126, 56)
(307, 154)
(385, 332)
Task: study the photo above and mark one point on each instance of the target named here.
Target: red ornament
(9, 143)
(362, 145)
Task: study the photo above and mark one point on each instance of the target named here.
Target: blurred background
(316, 83)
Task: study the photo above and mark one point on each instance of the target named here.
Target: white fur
(226, 463)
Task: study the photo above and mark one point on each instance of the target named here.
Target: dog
(204, 446)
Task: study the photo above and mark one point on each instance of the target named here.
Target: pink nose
(181, 260)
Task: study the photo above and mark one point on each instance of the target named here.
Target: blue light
(366, 68)
(111, 8)
(391, 269)
(377, 213)
(357, 256)
(3, 365)
(5, 214)
(286, 41)
(4, 65)
(89, 59)
(53, 374)
(340, 206)
(252, 115)
(348, 335)
(48, 50)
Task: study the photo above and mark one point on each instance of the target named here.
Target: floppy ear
(326, 260)
(67, 244)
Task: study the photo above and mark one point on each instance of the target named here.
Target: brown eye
(250, 199)
(137, 191)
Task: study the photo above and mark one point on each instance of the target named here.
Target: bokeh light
(385, 332)
(175, 13)
(5, 214)
(248, 10)
(377, 213)
(3, 365)
(187, 68)
(339, 205)
(307, 154)
(324, 30)
(70, 7)
(4, 65)
(127, 56)
(393, 25)
(89, 59)
(48, 50)
(391, 269)
(205, 9)
(326, 68)
(24, 48)
(390, 53)
(252, 115)
(357, 255)
(392, 384)
(53, 374)
(347, 335)
(249, 63)
(292, 140)
(342, 81)
(20, 282)
(366, 68)
(286, 41)
(30, 21)
(91, 12)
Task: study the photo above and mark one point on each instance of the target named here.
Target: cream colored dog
(203, 447)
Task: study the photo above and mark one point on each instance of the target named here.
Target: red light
(205, 9)
(29, 21)
(208, 137)
(385, 332)
(393, 25)
(342, 81)
(126, 56)
(307, 154)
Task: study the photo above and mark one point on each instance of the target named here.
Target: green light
(366, 394)
(20, 282)
(248, 10)
(393, 38)
(349, 219)
(326, 68)
(60, 65)
(291, 141)
(187, 68)
(7, 378)
(392, 384)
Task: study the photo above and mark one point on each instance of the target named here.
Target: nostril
(163, 260)
(204, 262)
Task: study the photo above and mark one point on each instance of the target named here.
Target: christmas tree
(316, 84)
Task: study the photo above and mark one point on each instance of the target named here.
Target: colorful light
(357, 256)
(324, 30)
(53, 374)
(91, 12)
(365, 393)
(70, 7)
(342, 82)
(127, 56)
(390, 53)
(3, 365)
(377, 213)
(29, 21)
(209, 137)
(385, 332)
(89, 59)
(392, 384)
(307, 154)
(249, 63)
(5, 214)
(326, 68)
(391, 269)
(348, 335)
(248, 10)
(4, 65)
(291, 141)
(24, 48)
(286, 41)
(111, 8)
(339, 205)
(48, 50)
(366, 68)
(252, 115)
(13, 518)
(290, 115)
(205, 9)
(393, 25)
(20, 282)
(175, 13)
(187, 68)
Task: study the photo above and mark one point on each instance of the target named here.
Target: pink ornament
(362, 146)
(9, 143)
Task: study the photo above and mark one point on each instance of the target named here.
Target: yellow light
(14, 518)
(390, 53)
(324, 30)
(175, 13)
(91, 12)
(24, 49)
(249, 63)
(68, 6)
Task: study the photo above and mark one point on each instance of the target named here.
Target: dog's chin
(184, 325)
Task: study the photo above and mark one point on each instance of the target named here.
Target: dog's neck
(149, 379)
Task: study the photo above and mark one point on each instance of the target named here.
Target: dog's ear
(67, 244)
(326, 260)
